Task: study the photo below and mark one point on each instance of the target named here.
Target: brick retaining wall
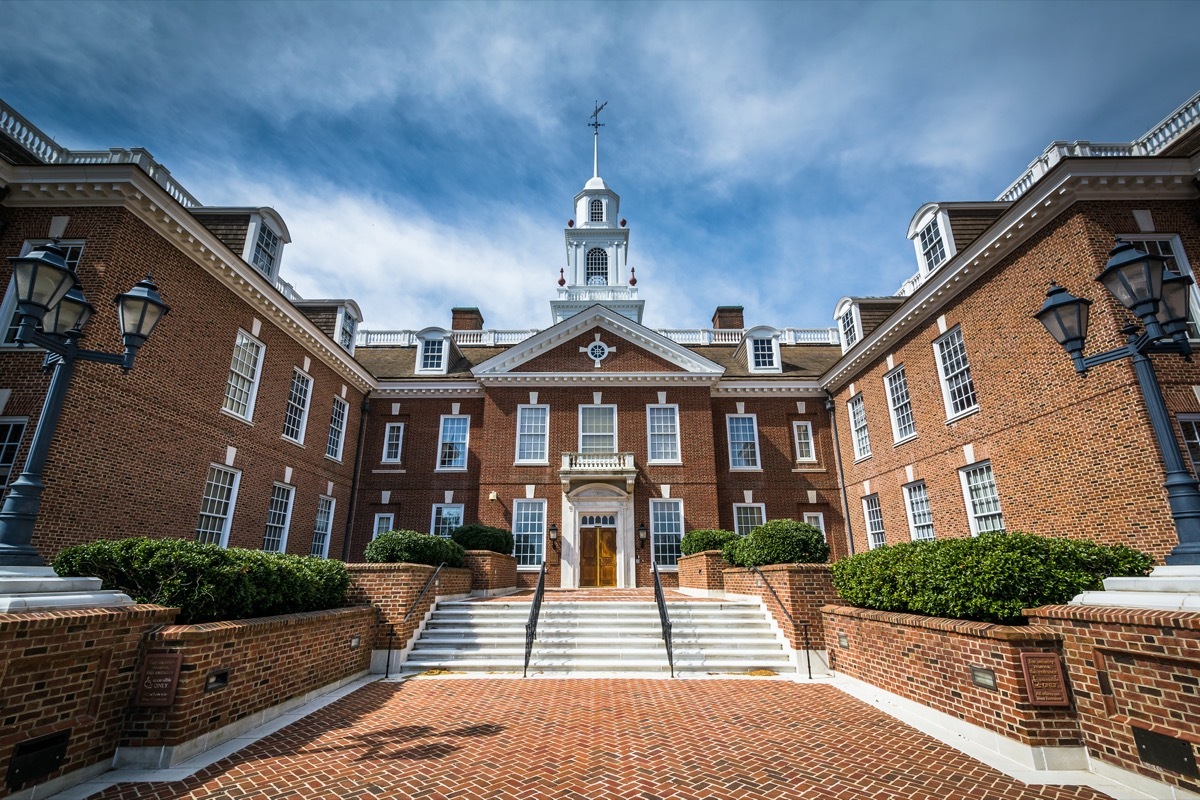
(392, 588)
(702, 571)
(804, 589)
(491, 571)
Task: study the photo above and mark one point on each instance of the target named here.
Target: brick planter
(257, 664)
(928, 660)
(392, 588)
(491, 573)
(804, 590)
(702, 573)
(1132, 669)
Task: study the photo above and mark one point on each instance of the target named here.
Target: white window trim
(258, 371)
(887, 391)
(812, 442)
(545, 438)
(442, 368)
(729, 444)
(233, 496)
(867, 522)
(545, 525)
(944, 232)
(341, 449)
(462, 515)
(760, 506)
(763, 333)
(682, 529)
(947, 404)
(1180, 258)
(307, 405)
(616, 421)
(466, 444)
(257, 222)
(859, 455)
(287, 518)
(387, 431)
(820, 521)
(908, 511)
(391, 518)
(344, 312)
(678, 460)
(328, 533)
(849, 305)
(972, 521)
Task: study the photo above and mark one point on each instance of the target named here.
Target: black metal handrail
(791, 619)
(664, 618)
(535, 609)
(424, 589)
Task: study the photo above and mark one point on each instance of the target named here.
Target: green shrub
(410, 547)
(780, 541)
(705, 539)
(484, 537)
(989, 578)
(207, 582)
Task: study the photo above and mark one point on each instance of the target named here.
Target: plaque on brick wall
(160, 676)
(1044, 679)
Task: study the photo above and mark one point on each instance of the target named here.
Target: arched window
(597, 211)
(597, 267)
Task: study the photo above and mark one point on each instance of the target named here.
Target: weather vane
(596, 123)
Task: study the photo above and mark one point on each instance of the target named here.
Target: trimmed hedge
(989, 578)
(779, 541)
(705, 539)
(484, 537)
(206, 582)
(410, 547)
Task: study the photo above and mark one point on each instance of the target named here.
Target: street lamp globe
(72, 312)
(1065, 316)
(41, 279)
(1174, 311)
(1135, 278)
(140, 310)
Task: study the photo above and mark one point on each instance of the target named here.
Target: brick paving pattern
(445, 739)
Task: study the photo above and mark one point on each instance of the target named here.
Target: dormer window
(932, 249)
(596, 211)
(931, 237)
(347, 329)
(848, 323)
(266, 251)
(764, 354)
(432, 355)
(597, 265)
(762, 349)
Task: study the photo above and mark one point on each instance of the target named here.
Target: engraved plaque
(1044, 679)
(160, 676)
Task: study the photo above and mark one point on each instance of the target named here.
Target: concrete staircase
(599, 636)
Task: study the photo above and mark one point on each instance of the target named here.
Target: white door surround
(598, 498)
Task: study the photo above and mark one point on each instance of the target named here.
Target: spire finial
(596, 125)
(562, 281)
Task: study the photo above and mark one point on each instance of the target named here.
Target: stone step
(650, 613)
(567, 665)
(475, 642)
(613, 631)
(773, 656)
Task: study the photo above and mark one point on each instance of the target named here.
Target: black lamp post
(47, 293)
(1159, 298)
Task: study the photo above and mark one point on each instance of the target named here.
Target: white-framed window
(598, 429)
(848, 323)
(337, 428)
(958, 390)
(874, 516)
(446, 519)
(666, 531)
(295, 414)
(383, 524)
(347, 329)
(662, 430)
(217, 504)
(1169, 247)
(817, 520)
(433, 354)
(266, 250)
(932, 238)
(12, 430)
(1190, 425)
(529, 533)
(982, 498)
(762, 350)
(533, 434)
(322, 527)
(596, 210)
(900, 405)
(742, 430)
(802, 435)
(598, 521)
(597, 267)
(245, 369)
(72, 253)
(920, 516)
(858, 427)
(279, 518)
(748, 516)
(933, 252)
(453, 440)
(393, 442)
(764, 353)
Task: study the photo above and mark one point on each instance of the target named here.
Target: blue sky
(425, 155)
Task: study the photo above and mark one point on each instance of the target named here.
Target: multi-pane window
(452, 452)
(322, 527)
(295, 415)
(383, 524)
(848, 328)
(432, 353)
(393, 442)
(1176, 262)
(596, 211)
(817, 520)
(666, 531)
(748, 516)
(597, 429)
(920, 518)
(1191, 439)
(244, 371)
(347, 329)
(957, 388)
(529, 532)
(11, 431)
(803, 434)
(216, 506)
(597, 267)
(983, 499)
(447, 518)
(874, 517)
(337, 428)
(858, 427)
(72, 253)
(900, 404)
(266, 251)
(743, 441)
(932, 249)
(763, 351)
(279, 518)
(662, 425)
(533, 434)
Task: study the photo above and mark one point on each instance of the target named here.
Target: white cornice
(1072, 180)
(128, 186)
(428, 389)
(596, 378)
(728, 388)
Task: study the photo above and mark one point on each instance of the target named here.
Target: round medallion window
(597, 351)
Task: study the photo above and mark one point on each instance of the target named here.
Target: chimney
(466, 319)
(728, 318)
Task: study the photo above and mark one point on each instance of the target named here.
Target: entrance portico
(603, 506)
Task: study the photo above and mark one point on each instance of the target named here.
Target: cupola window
(596, 213)
(597, 267)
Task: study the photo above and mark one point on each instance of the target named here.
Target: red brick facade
(704, 571)
(801, 590)
(394, 588)
(491, 572)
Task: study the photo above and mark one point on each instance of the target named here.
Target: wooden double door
(597, 556)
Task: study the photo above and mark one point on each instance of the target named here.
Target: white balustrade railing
(505, 338)
(910, 285)
(597, 293)
(288, 290)
(597, 462)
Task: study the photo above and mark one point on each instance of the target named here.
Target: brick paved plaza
(437, 738)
